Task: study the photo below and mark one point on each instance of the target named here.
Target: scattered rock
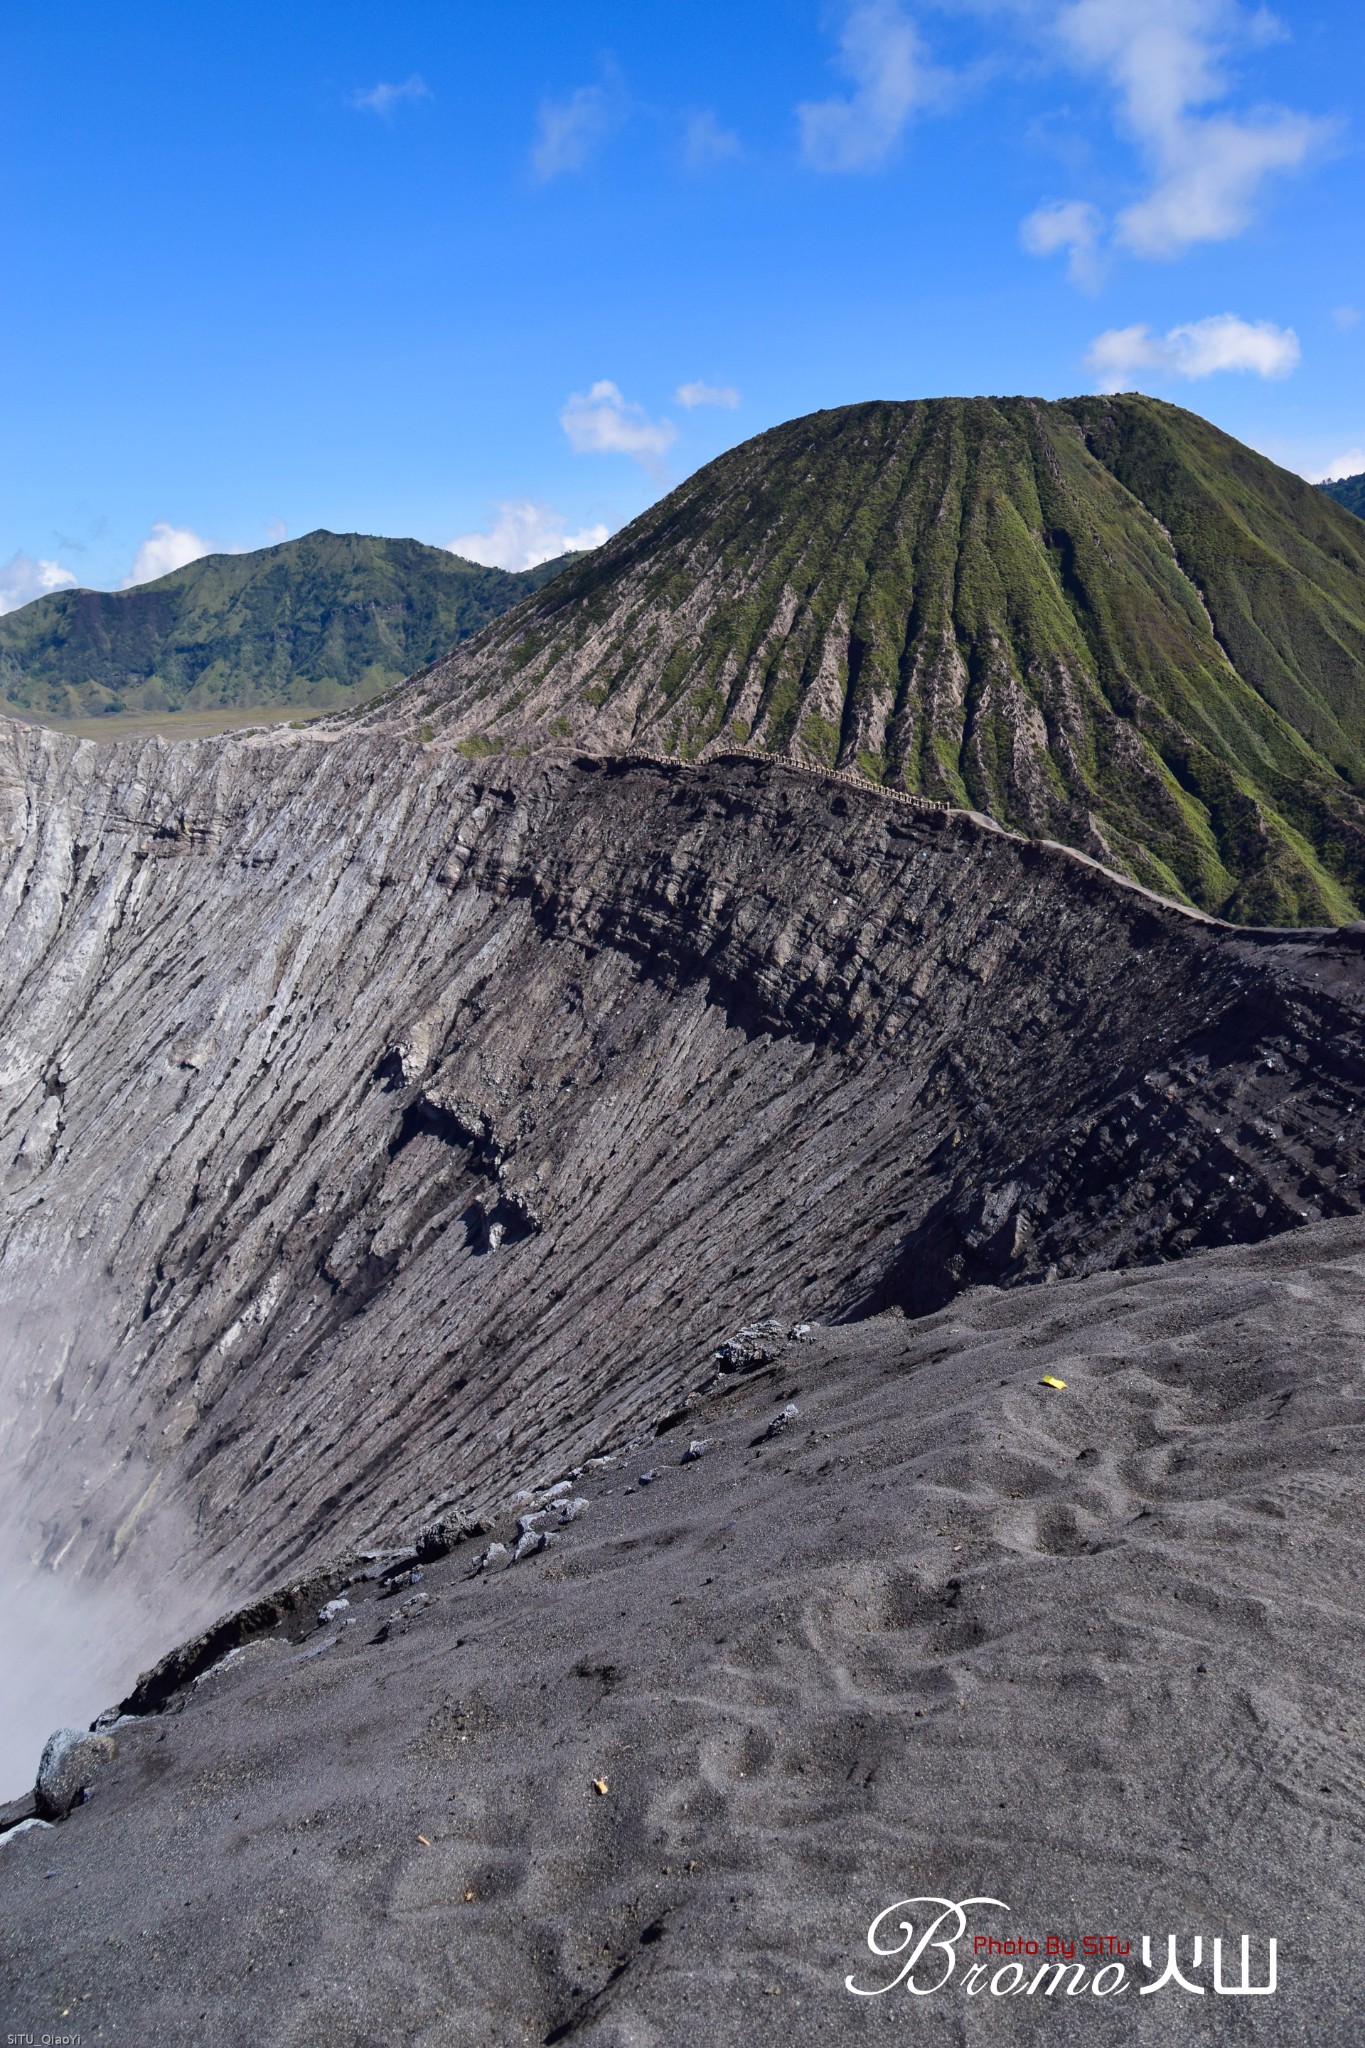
(328, 1613)
(801, 1333)
(439, 1538)
(496, 1554)
(396, 1581)
(758, 1344)
(530, 1543)
(570, 1510)
(646, 1478)
(71, 1759)
(15, 1811)
(696, 1449)
(777, 1425)
(21, 1827)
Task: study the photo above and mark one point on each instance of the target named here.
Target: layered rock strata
(382, 1128)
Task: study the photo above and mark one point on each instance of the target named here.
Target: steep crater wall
(381, 1129)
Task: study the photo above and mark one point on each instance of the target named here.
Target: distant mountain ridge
(322, 622)
(1348, 491)
(1099, 620)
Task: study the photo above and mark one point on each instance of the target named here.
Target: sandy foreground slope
(1095, 1653)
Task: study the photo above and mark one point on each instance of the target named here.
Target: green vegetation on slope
(1348, 491)
(1100, 621)
(321, 622)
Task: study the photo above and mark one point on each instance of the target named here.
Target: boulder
(758, 1344)
(71, 1759)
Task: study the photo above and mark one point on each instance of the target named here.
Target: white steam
(83, 1610)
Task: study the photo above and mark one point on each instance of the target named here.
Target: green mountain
(324, 621)
(1348, 491)
(1100, 621)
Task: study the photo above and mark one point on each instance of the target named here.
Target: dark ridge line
(330, 729)
(1354, 934)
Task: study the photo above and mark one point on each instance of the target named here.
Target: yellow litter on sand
(599, 1785)
(1049, 1381)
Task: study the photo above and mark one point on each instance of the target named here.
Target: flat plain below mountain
(699, 1325)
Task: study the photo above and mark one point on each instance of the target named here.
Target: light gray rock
(759, 1344)
(437, 1539)
(71, 1760)
(779, 1423)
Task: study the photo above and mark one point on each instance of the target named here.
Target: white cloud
(1197, 349)
(25, 577)
(692, 395)
(880, 50)
(1351, 463)
(383, 98)
(1164, 59)
(568, 131)
(165, 548)
(705, 142)
(604, 422)
(522, 535)
(1071, 224)
(1345, 316)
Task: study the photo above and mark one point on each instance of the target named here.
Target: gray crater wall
(379, 1129)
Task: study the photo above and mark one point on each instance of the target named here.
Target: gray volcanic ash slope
(949, 1633)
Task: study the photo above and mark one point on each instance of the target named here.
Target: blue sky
(464, 270)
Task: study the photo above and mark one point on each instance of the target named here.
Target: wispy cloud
(881, 52)
(1165, 61)
(1351, 462)
(384, 97)
(1345, 316)
(166, 548)
(24, 577)
(1200, 348)
(522, 535)
(1071, 224)
(692, 395)
(568, 131)
(706, 143)
(604, 422)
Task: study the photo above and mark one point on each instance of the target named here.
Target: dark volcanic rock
(286, 1022)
